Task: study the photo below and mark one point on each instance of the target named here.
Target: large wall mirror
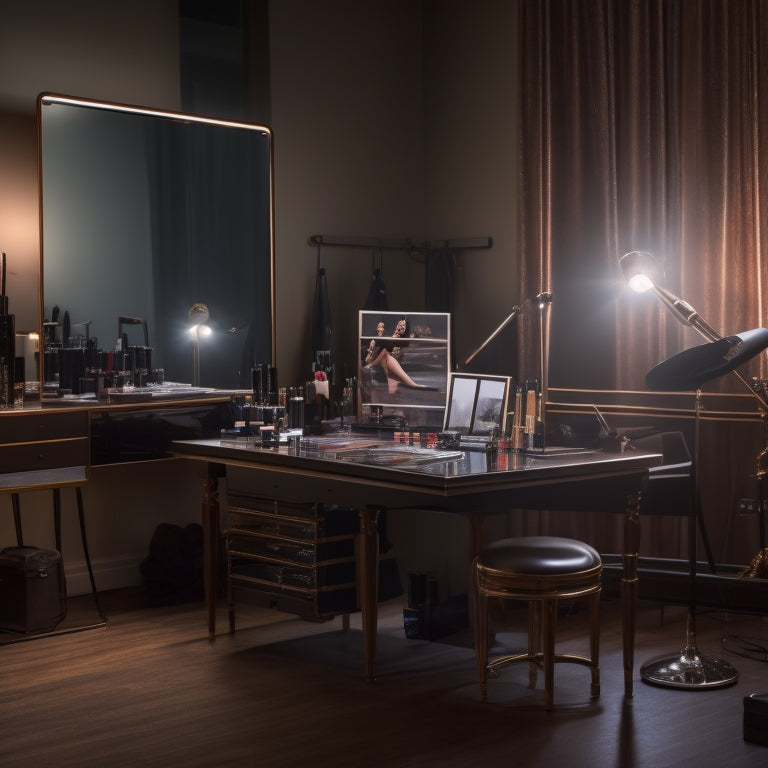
(145, 215)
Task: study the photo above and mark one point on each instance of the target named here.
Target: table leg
(210, 514)
(476, 546)
(629, 587)
(369, 584)
(476, 536)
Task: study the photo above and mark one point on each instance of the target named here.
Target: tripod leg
(704, 537)
(17, 519)
(81, 515)
(57, 517)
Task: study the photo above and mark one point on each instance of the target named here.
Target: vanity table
(53, 446)
(471, 485)
(145, 214)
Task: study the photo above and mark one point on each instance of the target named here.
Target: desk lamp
(198, 317)
(543, 300)
(687, 371)
(643, 273)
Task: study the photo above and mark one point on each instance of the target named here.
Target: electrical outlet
(749, 506)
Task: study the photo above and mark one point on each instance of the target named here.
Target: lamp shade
(689, 369)
(641, 270)
(199, 314)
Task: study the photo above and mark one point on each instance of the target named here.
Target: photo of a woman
(386, 355)
(403, 366)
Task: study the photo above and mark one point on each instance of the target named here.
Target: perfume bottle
(7, 343)
(19, 378)
(8, 357)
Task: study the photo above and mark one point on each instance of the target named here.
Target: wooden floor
(149, 689)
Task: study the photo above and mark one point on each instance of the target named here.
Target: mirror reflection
(146, 214)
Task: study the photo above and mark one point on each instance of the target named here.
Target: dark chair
(670, 485)
(542, 571)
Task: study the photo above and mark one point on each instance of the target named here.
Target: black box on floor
(433, 622)
(756, 718)
(33, 592)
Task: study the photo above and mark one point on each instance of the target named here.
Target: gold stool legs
(534, 640)
(549, 624)
(594, 641)
(542, 630)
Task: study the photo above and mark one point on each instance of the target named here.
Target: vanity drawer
(50, 454)
(40, 449)
(290, 520)
(33, 427)
(294, 557)
(292, 552)
(313, 604)
(273, 575)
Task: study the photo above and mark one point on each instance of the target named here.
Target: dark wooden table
(472, 484)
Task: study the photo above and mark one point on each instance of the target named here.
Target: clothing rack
(402, 244)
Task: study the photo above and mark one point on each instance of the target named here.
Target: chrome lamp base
(689, 669)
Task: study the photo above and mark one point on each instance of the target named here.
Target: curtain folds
(725, 124)
(599, 153)
(644, 126)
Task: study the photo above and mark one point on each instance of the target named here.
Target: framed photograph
(404, 366)
(477, 404)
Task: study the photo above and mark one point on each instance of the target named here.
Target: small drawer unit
(41, 448)
(294, 557)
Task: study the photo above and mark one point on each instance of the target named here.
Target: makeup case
(756, 718)
(33, 593)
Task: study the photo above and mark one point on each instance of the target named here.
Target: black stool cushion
(539, 555)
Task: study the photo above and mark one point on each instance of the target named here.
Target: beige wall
(470, 154)
(391, 118)
(88, 48)
(347, 112)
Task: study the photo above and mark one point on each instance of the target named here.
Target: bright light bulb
(199, 331)
(640, 283)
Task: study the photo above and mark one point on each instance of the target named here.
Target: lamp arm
(686, 314)
(516, 310)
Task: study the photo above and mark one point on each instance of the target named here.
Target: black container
(33, 592)
(756, 718)
(71, 369)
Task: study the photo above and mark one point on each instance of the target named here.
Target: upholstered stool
(541, 570)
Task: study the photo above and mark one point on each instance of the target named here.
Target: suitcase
(33, 592)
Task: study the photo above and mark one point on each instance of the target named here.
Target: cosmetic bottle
(19, 378)
(7, 351)
(8, 340)
(3, 383)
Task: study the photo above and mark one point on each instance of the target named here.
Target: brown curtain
(599, 133)
(644, 126)
(724, 99)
